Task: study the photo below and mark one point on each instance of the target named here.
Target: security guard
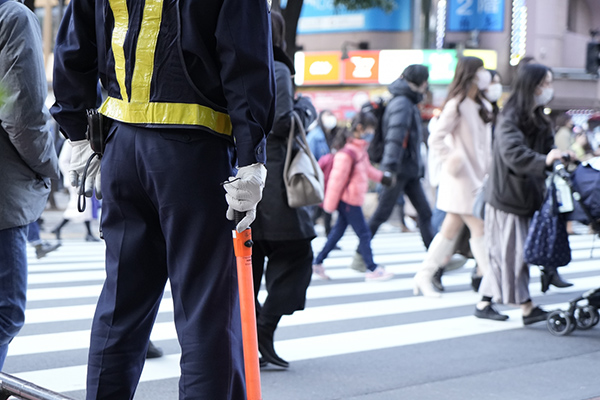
(190, 91)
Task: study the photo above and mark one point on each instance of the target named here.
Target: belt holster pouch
(97, 132)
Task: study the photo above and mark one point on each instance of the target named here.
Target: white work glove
(244, 191)
(79, 158)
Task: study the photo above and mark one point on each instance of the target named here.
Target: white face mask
(484, 78)
(494, 92)
(329, 122)
(545, 97)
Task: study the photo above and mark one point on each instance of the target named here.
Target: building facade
(554, 32)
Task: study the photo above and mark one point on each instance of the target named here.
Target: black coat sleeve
(397, 124)
(516, 153)
(75, 82)
(246, 55)
(285, 104)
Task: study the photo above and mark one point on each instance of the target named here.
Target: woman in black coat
(280, 233)
(522, 156)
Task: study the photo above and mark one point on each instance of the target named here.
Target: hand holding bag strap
(551, 195)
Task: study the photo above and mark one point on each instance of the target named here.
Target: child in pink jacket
(346, 188)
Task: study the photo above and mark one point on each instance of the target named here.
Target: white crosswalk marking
(64, 286)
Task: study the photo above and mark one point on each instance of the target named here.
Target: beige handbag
(302, 176)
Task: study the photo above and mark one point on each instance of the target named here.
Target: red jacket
(350, 189)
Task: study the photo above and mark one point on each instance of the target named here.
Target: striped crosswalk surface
(51, 350)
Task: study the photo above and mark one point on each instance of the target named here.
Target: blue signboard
(320, 16)
(469, 15)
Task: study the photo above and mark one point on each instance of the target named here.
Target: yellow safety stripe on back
(144, 52)
(121, 16)
(140, 110)
(167, 113)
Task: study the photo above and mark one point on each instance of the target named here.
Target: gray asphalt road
(355, 340)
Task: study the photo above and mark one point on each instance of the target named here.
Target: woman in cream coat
(461, 141)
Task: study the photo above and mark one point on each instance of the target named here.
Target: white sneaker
(379, 274)
(319, 271)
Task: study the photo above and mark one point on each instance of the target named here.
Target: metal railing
(13, 387)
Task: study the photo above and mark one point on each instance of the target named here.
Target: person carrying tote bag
(302, 176)
(522, 157)
(282, 235)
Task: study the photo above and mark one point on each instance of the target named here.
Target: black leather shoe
(559, 282)
(536, 315)
(475, 280)
(153, 351)
(56, 232)
(489, 312)
(437, 280)
(44, 248)
(545, 278)
(262, 362)
(265, 346)
(91, 238)
(549, 277)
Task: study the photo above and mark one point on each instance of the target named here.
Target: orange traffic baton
(242, 245)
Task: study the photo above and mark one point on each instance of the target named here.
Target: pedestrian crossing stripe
(452, 280)
(73, 378)
(401, 257)
(54, 342)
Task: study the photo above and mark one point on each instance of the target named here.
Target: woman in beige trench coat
(461, 140)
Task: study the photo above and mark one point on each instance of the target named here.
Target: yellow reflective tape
(121, 16)
(145, 50)
(167, 113)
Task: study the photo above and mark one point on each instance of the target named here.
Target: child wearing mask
(346, 188)
(320, 138)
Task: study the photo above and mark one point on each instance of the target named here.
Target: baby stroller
(561, 323)
(584, 183)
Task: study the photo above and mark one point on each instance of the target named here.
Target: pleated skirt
(507, 281)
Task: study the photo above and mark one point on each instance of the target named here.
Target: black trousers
(317, 212)
(387, 201)
(287, 274)
(163, 217)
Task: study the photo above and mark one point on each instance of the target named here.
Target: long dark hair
(278, 30)
(495, 108)
(466, 69)
(521, 103)
(364, 118)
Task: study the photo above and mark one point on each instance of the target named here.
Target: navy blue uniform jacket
(178, 63)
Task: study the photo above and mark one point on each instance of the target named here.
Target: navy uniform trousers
(163, 216)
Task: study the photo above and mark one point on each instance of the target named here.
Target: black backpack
(375, 150)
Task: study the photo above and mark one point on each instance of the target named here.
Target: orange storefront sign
(322, 68)
(361, 67)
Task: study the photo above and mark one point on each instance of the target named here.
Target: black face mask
(418, 95)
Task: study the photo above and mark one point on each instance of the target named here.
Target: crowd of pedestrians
(191, 152)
